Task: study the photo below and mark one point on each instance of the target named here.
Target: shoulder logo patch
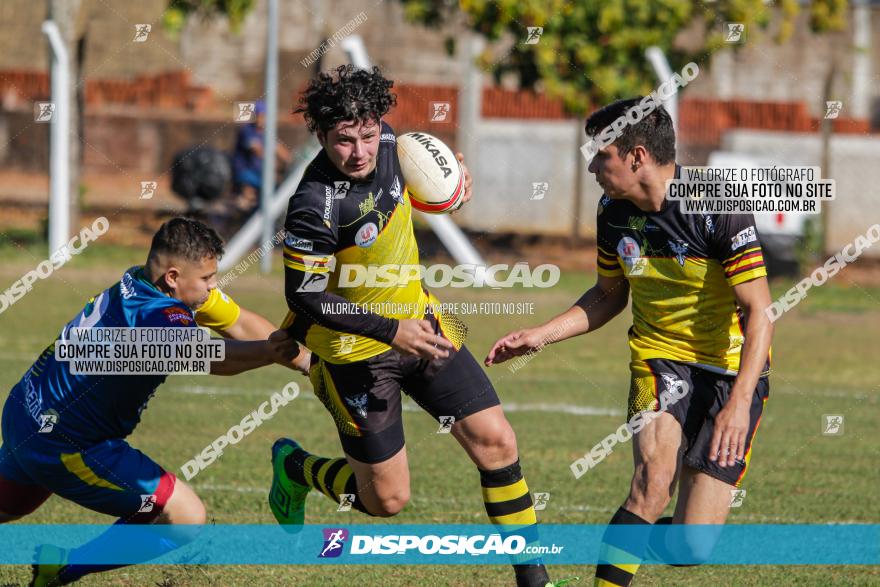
(743, 237)
(295, 242)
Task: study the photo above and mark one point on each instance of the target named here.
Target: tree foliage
(178, 11)
(592, 51)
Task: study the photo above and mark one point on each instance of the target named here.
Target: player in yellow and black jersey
(699, 341)
(370, 340)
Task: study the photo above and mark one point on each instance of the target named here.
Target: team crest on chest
(679, 248)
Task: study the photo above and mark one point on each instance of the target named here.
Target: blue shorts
(109, 477)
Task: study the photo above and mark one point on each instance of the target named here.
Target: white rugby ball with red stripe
(433, 175)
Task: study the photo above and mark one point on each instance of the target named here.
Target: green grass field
(825, 355)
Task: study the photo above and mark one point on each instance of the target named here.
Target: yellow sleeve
(219, 312)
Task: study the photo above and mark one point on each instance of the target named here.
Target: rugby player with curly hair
(352, 209)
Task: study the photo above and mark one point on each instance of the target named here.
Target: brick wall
(172, 89)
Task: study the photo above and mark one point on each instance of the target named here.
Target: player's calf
(651, 490)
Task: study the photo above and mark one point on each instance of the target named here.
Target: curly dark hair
(347, 93)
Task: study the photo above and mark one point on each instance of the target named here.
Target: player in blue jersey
(64, 433)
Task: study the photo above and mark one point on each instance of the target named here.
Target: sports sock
(144, 542)
(509, 503)
(622, 550)
(332, 477)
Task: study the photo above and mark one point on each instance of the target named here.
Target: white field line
(538, 407)
(734, 515)
(522, 407)
(411, 406)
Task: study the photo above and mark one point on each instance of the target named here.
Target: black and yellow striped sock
(509, 503)
(621, 551)
(332, 477)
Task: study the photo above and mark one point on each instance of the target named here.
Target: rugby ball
(433, 176)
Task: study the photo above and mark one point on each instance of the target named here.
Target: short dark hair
(654, 131)
(347, 93)
(186, 238)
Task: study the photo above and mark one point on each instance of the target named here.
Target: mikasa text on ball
(433, 175)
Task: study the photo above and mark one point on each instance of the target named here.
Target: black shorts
(364, 397)
(696, 410)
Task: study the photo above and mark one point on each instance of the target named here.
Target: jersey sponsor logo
(328, 204)
(387, 137)
(640, 224)
(628, 249)
(340, 189)
(439, 159)
(366, 235)
(710, 225)
(679, 249)
(295, 242)
(126, 286)
(178, 314)
(637, 223)
(743, 237)
(630, 252)
(33, 398)
(358, 403)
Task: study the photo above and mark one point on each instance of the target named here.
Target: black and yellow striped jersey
(681, 269)
(334, 223)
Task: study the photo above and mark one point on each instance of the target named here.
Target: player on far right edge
(699, 291)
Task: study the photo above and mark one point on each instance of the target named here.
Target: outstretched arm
(594, 309)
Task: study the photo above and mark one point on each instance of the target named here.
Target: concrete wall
(854, 167)
(511, 157)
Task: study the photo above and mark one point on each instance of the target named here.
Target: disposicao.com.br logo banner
(752, 544)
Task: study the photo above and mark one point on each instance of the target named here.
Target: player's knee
(193, 514)
(497, 442)
(184, 508)
(391, 504)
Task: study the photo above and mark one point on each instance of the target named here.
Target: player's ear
(638, 156)
(172, 275)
